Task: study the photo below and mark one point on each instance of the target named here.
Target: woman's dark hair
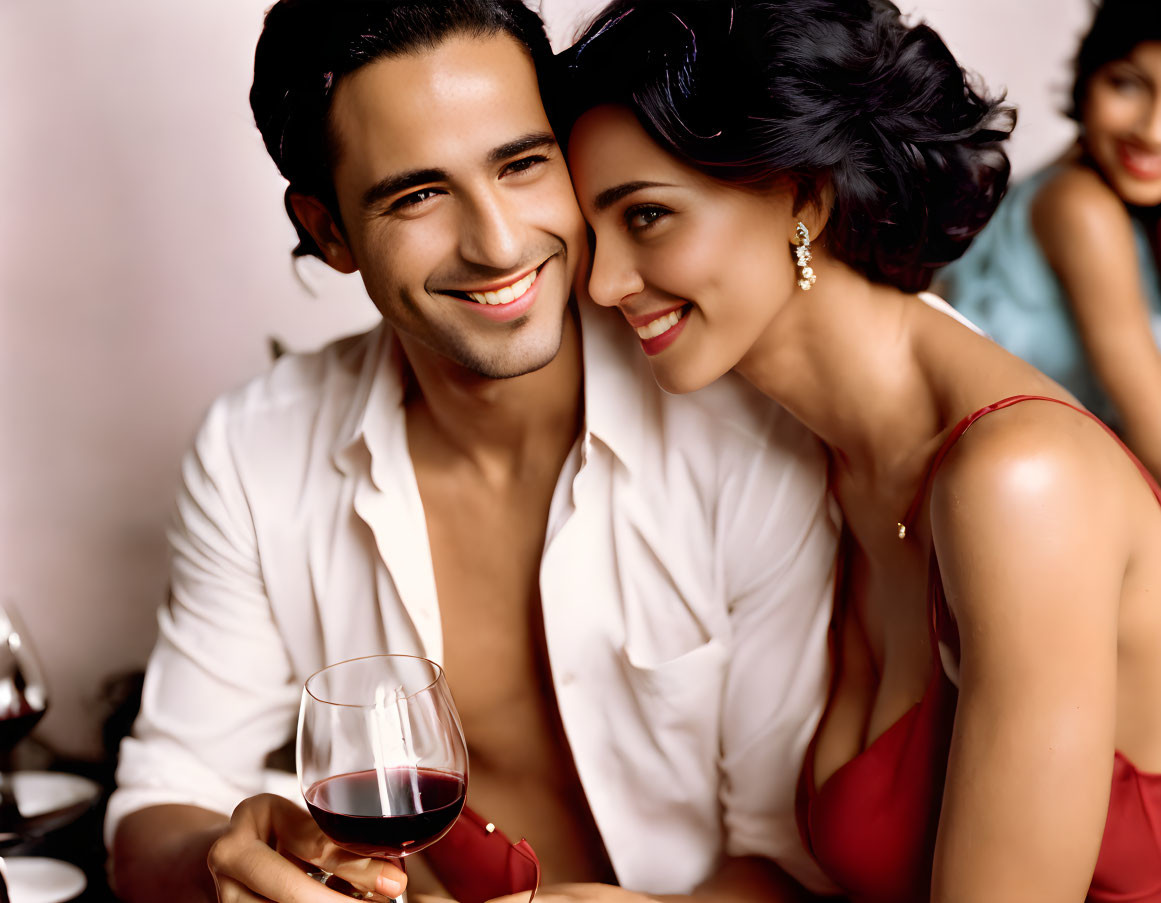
(307, 47)
(827, 93)
(1117, 27)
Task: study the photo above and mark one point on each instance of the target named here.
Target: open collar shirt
(685, 581)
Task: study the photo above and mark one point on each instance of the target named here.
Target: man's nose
(490, 233)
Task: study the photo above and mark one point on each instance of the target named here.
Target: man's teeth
(505, 295)
(660, 325)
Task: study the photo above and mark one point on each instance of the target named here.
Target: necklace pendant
(902, 530)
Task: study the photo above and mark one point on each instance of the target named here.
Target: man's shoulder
(301, 384)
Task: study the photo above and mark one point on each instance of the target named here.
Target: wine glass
(23, 701)
(381, 756)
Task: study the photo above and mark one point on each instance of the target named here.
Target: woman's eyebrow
(610, 196)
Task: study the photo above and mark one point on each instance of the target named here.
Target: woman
(768, 185)
(1065, 275)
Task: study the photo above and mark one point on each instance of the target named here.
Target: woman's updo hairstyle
(837, 93)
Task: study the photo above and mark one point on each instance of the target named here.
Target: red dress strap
(960, 428)
(872, 825)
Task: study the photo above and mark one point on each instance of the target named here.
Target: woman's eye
(643, 216)
(1125, 81)
(524, 164)
(414, 199)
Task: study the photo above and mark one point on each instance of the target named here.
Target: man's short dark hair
(308, 46)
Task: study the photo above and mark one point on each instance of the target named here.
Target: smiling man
(628, 591)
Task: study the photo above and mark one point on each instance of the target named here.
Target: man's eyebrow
(521, 145)
(610, 196)
(390, 185)
(395, 184)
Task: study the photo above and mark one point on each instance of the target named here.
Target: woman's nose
(613, 276)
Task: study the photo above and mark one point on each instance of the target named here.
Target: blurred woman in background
(1066, 273)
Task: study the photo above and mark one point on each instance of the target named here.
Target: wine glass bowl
(23, 701)
(23, 698)
(381, 757)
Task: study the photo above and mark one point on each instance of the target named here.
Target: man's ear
(317, 220)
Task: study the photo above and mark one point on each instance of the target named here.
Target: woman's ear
(815, 214)
(317, 220)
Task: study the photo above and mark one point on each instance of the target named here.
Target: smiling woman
(768, 184)
(1066, 275)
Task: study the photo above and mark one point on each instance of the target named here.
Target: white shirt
(686, 586)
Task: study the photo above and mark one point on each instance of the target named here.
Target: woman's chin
(681, 380)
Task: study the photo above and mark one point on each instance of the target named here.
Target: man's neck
(499, 426)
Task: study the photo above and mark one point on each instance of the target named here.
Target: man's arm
(219, 694)
(183, 854)
(160, 852)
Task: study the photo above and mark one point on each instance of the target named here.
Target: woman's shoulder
(1073, 207)
(1030, 464)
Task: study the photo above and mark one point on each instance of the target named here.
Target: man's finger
(267, 874)
(230, 891)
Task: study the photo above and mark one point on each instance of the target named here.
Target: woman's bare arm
(1032, 551)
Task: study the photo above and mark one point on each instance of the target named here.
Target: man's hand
(254, 859)
(267, 851)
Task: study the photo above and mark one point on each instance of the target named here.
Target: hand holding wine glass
(382, 761)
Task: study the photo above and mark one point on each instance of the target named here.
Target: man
(632, 588)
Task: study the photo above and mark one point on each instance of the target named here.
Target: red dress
(872, 824)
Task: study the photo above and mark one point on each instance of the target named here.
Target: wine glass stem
(10, 817)
(402, 898)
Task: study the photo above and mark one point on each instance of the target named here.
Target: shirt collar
(620, 392)
(374, 412)
(618, 388)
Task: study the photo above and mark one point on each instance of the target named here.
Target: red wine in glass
(17, 722)
(423, 802)
(23, 700)
(382, 761)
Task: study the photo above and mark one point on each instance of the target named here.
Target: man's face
(457, 204)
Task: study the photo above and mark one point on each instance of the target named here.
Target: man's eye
(643, 216)
(414, 199)
(524, 164)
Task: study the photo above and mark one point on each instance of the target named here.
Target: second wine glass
(381, 756)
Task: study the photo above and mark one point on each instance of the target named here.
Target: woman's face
(1121, 116)
(699, 268)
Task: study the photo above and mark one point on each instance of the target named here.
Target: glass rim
(439, 675)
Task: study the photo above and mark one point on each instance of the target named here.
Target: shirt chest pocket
(679, 702)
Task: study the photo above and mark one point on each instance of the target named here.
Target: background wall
(144, 266)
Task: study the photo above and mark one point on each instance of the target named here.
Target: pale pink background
(144, 264)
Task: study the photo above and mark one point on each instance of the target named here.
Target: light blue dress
(1005, 285)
